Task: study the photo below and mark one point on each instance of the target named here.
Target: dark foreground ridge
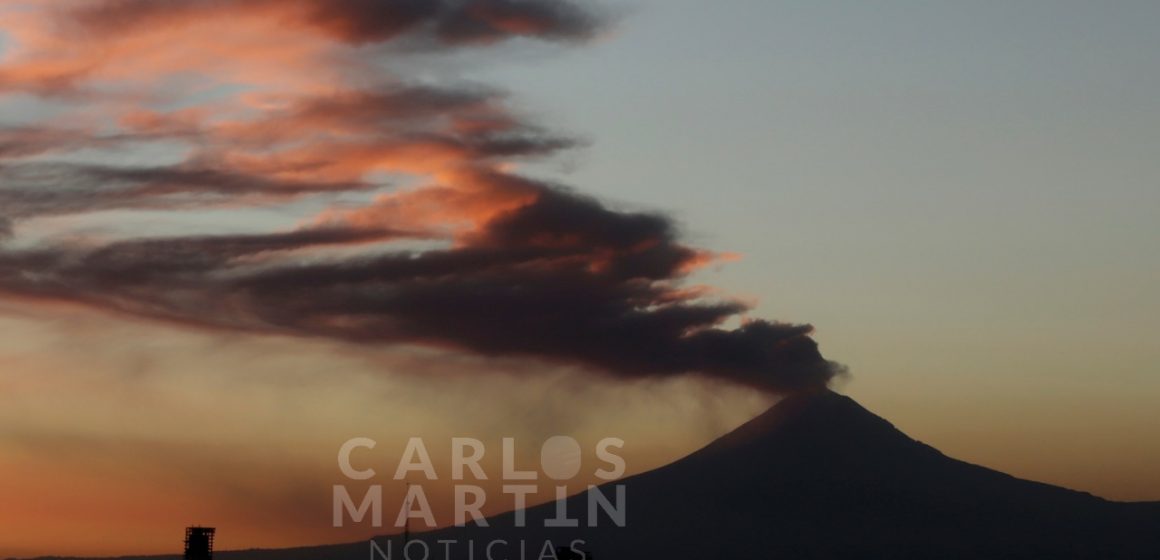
(816, 477)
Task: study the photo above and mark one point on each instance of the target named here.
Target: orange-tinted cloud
(359, 21)
(264, 102)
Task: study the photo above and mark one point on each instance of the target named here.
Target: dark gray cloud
(389, 105)
(493, 20)
(54, 188)
(18, 142)
(563, 279)
(450, 22)
(472, 122)
(524, 268)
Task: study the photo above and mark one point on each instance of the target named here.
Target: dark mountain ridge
(816, 476)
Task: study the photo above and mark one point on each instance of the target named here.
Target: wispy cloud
(299, 99)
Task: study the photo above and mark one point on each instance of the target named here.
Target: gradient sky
(962, 198)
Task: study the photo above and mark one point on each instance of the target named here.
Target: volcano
(815, 477)
(819, 476)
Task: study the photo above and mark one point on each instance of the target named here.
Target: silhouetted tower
(199, 543)
(567, 553)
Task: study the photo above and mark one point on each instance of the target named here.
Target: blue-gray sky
(963, 197)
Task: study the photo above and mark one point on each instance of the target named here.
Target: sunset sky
(236, 233)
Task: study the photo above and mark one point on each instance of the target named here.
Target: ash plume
(473, 255)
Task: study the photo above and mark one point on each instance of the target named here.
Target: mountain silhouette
(815, 477)
(819, 476)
